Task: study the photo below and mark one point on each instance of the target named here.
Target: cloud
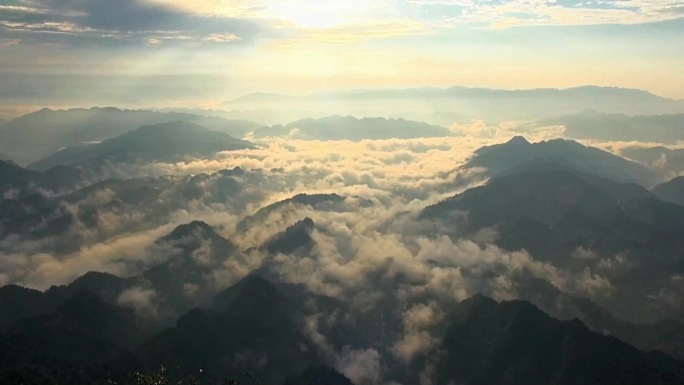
(140, 299)
(362, 367)
(513, 13)
(88, 22)
(378, 258)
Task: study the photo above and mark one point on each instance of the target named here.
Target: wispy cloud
(511, 13)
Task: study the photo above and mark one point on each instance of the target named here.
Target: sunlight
(319, 14)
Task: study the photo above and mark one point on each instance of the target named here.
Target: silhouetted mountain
(167, 142)
(671, 191)
(466, 92)
(57, 180)
(500, 158)
(295, 238)
(600, 126)
(183, 280)
(104, 285)
(36, 135)
(252, 331)
(320, 375)
(516, 343)
(351, 128)
(83, 330)
(551, 210)
(17, 302)
(665, 336)
(323, 202)
(485, 103)
(568, 207)
(540, 190)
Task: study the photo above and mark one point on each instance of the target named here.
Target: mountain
(58, 179)
(623, 94)
(17, 302)
(82, 332)
(516, 343)
(551, 210)
(671, 191)
(666, 336)
(250, 324)
(194, 251)
(542, 191)
(322, 202)
(295, 238)
(497, 159)
(481, 103)
(658, 158)
(167, 142)
(601, 126)
(351, 128)
(34, 136)
(180, 280)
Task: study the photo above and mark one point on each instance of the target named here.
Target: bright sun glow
(319, 13)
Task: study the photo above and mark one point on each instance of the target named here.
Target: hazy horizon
(169, 53)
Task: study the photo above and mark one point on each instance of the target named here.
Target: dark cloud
(121, 22)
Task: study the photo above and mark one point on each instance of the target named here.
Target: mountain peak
(518, 140)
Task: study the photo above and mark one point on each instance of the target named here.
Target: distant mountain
(659, 158)
(34, 136)
(497, 159)
(541, 190)
(295, 238)
(167, 142)
(666, 336)
(315, 201)
(600, 126)
(516, 343)
(57, 179)
(351, 128)
(466, 92)
(671, 191)
(483, 103)
(551, 210)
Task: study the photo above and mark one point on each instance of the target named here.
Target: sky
(200, 53)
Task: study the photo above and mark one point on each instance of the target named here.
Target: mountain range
(166, 142)
(516, 343)
(501, 158)
(483, 103)
(37, 135)
(663, 159)
(563, 265)
(591, 124)
(552, 210)
(55, 179)
(351, 128)
(466, 92)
